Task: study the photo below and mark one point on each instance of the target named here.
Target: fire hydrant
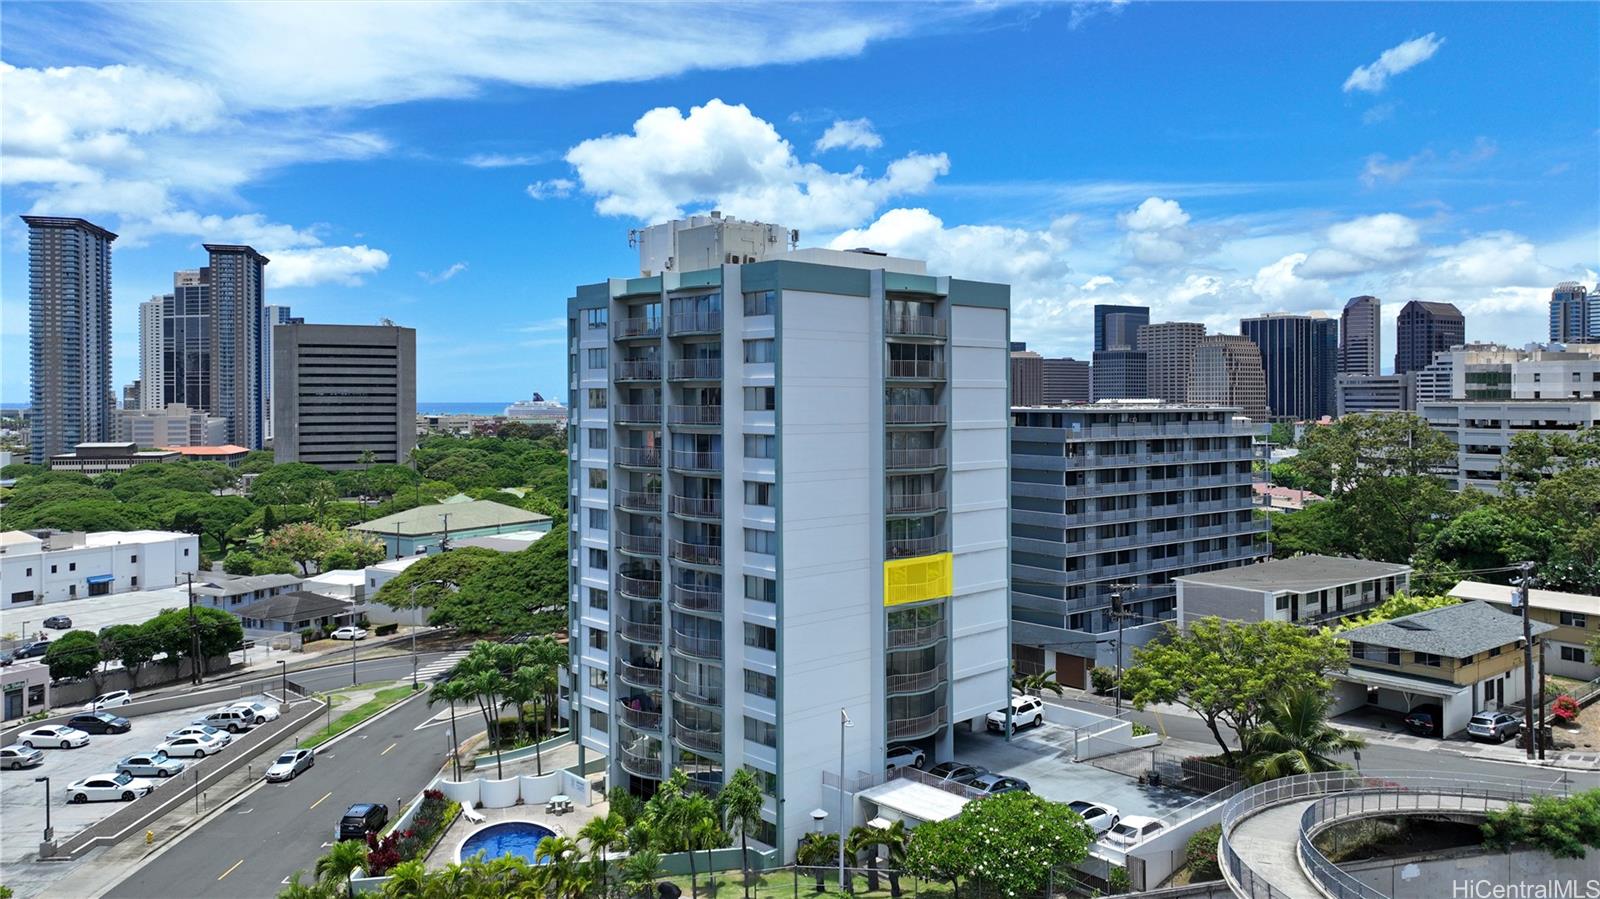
(149, 837)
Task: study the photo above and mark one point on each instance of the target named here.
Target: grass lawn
(382, 700)
(782, 884)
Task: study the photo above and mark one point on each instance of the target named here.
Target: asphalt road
(332, 675)
(249, 848)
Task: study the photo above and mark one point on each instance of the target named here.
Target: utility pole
(444, 542)
(1542, 723)
(194, 634)
(1524, 583)
(1118, 612)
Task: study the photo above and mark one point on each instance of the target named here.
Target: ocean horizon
(462, 408)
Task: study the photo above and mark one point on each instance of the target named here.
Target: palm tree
(604, 834)
(865, 838)
(818, 851)
(525, 685)
(1035, 684)
(343, 859)
(451, 691)
(482, 677)
(739, 806)
(705, 834)
(313, 890)
(895, 839)
(1296, 739)
(561, 864)
(639, 872)
(408, 880)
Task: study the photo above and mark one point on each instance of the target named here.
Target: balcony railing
(915, 415)
(699, 647)
(694, 370)
(697, 553)
(637, 414)
(917, 457)
(689, 460)
(641, 719)
(637, 370)
(696, 599)
(916, 370)
(696, 416)
(914, 326)
(624, 328)
(646, 766)
(697, 506)
(639, 500)
(696, 323)
(916, 635)
(920, 726)
(699, 739)
(635, 587)
(637, 456)
(707, 694)
(639, 544)
(639, 676)
(909, 547)
(920, 682)
(912, 503)
(639, 631)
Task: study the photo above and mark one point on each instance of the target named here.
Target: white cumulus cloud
(324, 265)
(1363, 244)
(552, 188)
(1375, 76)
(443, 276)
(724, 156)
(1158, 232)
(849, 134)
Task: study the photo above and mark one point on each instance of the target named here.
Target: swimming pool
(520, 838)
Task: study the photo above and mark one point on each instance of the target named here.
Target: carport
(1363, 687)
(903, 799)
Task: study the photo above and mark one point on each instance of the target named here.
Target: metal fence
(1351, 794)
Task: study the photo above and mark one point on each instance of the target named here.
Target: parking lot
(1042, 756)
(22, 801)
(91, 613)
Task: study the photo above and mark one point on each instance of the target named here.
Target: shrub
(1564, 826)
(1118, 881)
(1104, 680)
(1140, 730)
(1565, 709)
(384, 630)
(1200, 854)
(432, 817)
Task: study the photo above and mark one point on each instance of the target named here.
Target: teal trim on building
(632, 287)
(709, 277)
(902, 282)
(983, 294)
(782, 274)
(591, 296)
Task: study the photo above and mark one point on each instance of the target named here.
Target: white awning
(913, 801)
(1369, 678)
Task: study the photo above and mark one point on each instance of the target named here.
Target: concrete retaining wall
(181, 700)
(528, 789)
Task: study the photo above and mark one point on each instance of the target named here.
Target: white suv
(1026, 711)
(231, 720)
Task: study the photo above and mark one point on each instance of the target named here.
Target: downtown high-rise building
(1574, 314)
(1360, 341)
(1027, 376)
(1227, 371)
(151, 378)
(1300, 357)
(1120, 374)
(1066, 380)
(1117, 327)
(238, 289)
(271, 317)
(1425, 328)
(788, 497)
(345, 396)
(71, 395)
(1169, 348)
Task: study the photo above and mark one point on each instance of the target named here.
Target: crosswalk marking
(440, 666)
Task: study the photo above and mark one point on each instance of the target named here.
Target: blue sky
(459, 168)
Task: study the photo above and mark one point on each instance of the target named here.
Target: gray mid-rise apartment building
(69, 334)
(1027, 376)
(1132, 493)
(343, 391)
(788, 506)
(1574, 314)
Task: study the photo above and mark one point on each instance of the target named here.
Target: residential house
(1306, 589)
(1575, 616)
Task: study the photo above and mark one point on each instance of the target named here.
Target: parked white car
(1026, 711)
(149, 764)
(349, 632)
(263, 711)
(192, 746)
(1132, 830)
(906, 757)
(52, 737)
(109, 788)
(1099, 816)
(109, 700)
(221, 737)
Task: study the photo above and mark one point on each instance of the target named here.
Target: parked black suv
(58, 623)
(100, 723)
(361, 819)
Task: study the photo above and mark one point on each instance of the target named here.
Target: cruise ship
(537, 410)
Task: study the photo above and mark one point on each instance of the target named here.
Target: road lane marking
(319, 801)
(391, 746)
(231, 869)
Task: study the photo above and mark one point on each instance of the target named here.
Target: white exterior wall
(1488, 424)
(979, 518)
(151, 367)
(156, 559)
(831, 586)
(585, 498)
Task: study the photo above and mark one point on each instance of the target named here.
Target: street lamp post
(283, 667)
(844, 722)
(353, 642)
(49, 832)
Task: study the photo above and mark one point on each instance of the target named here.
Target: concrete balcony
(915, 415)
(913, 503)
(635, 328)
(694, 370)
(916, 459)
(915, 326)
(697, 553)
(697, 647)
(911, 547)
(641, 719)
(635, 587)
(702, 507)
(692, 599)
(918, 682)
(695, 323)
(698, 736)
(696, 416)
(637, 456)
(645, 764)
(639, 544)
(637, 370)
(639, 500)
(688, 460)
(914, 636)
(636, 414)
(704, 694)
(648, 632)
(639, 676)
(914, 370)
(919, 726)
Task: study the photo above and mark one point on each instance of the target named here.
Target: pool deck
(567, 825)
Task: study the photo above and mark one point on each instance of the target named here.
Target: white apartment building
(789, 476)
(175, 425)
(1482, 430)
(42, 569)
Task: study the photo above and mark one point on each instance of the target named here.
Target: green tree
(1228, 672)
(1295, 738)
(304, 542)
(1036, 684)
(169, 632)
(288, 483)
(74, 655)
(1397, 606)
(739, 806)
(211, 516)
(240, 562)
(639, 872)
(819, 850)
(342, 859)
(604, 834)
(130, 645)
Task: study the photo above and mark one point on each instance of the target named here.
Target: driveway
(1042, 757)
(22, 801)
